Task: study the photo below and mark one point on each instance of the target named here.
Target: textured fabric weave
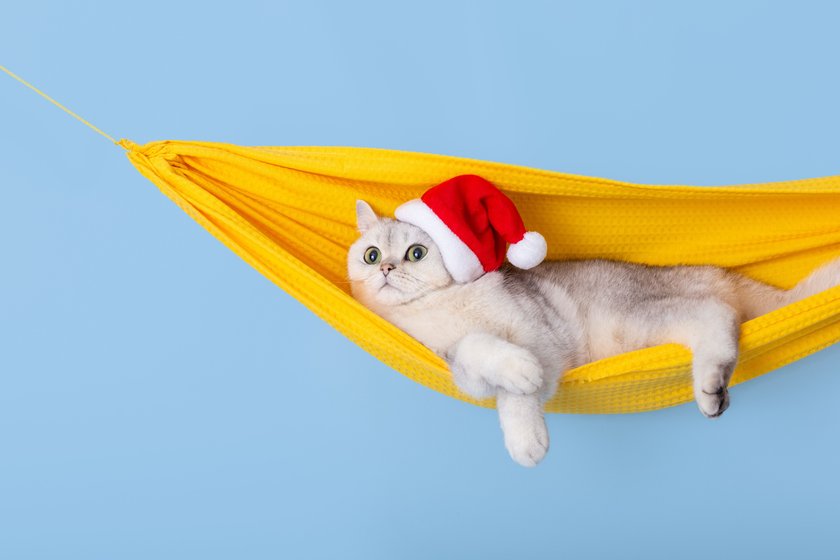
(289, 212)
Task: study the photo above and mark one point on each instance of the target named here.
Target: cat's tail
(756, 298)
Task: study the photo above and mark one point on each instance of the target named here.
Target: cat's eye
(416, 252)
(372, 255)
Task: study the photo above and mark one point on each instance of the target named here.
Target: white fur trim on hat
(529, 251)
(459, 260)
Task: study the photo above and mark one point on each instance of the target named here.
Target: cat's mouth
(387, 283)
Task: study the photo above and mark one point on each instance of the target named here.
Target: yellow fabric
(289, 212)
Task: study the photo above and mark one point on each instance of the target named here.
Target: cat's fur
(512, 333)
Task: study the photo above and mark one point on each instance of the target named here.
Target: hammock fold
(289, 212)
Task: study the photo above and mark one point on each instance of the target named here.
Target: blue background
(160, 399)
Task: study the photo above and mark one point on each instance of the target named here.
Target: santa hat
(472, 222)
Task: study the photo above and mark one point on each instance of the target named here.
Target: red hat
(472, 221)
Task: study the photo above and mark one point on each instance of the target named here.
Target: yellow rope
(57, 104)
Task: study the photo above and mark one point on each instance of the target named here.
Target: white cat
(512, 333)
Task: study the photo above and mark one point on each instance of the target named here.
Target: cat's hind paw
(712, 403)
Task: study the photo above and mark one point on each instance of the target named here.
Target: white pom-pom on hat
(529, 251)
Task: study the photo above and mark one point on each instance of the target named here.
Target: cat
(511, 333)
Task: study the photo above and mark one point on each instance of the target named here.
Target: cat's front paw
(520, 373)
(517, 372)
(471, 382)
(526, 440)
(712, 401)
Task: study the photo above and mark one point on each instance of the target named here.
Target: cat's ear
(365, 216)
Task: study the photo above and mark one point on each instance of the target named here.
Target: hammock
(289, 212)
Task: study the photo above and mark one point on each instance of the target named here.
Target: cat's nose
(386, 268)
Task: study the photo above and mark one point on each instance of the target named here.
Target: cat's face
(393, 262)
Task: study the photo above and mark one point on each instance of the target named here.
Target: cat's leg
(481, 364)
(523, 425)
(714, 357)
(711, 329)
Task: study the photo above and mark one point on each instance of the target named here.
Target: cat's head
(393, 262)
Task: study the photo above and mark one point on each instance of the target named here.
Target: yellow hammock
(289, 212)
